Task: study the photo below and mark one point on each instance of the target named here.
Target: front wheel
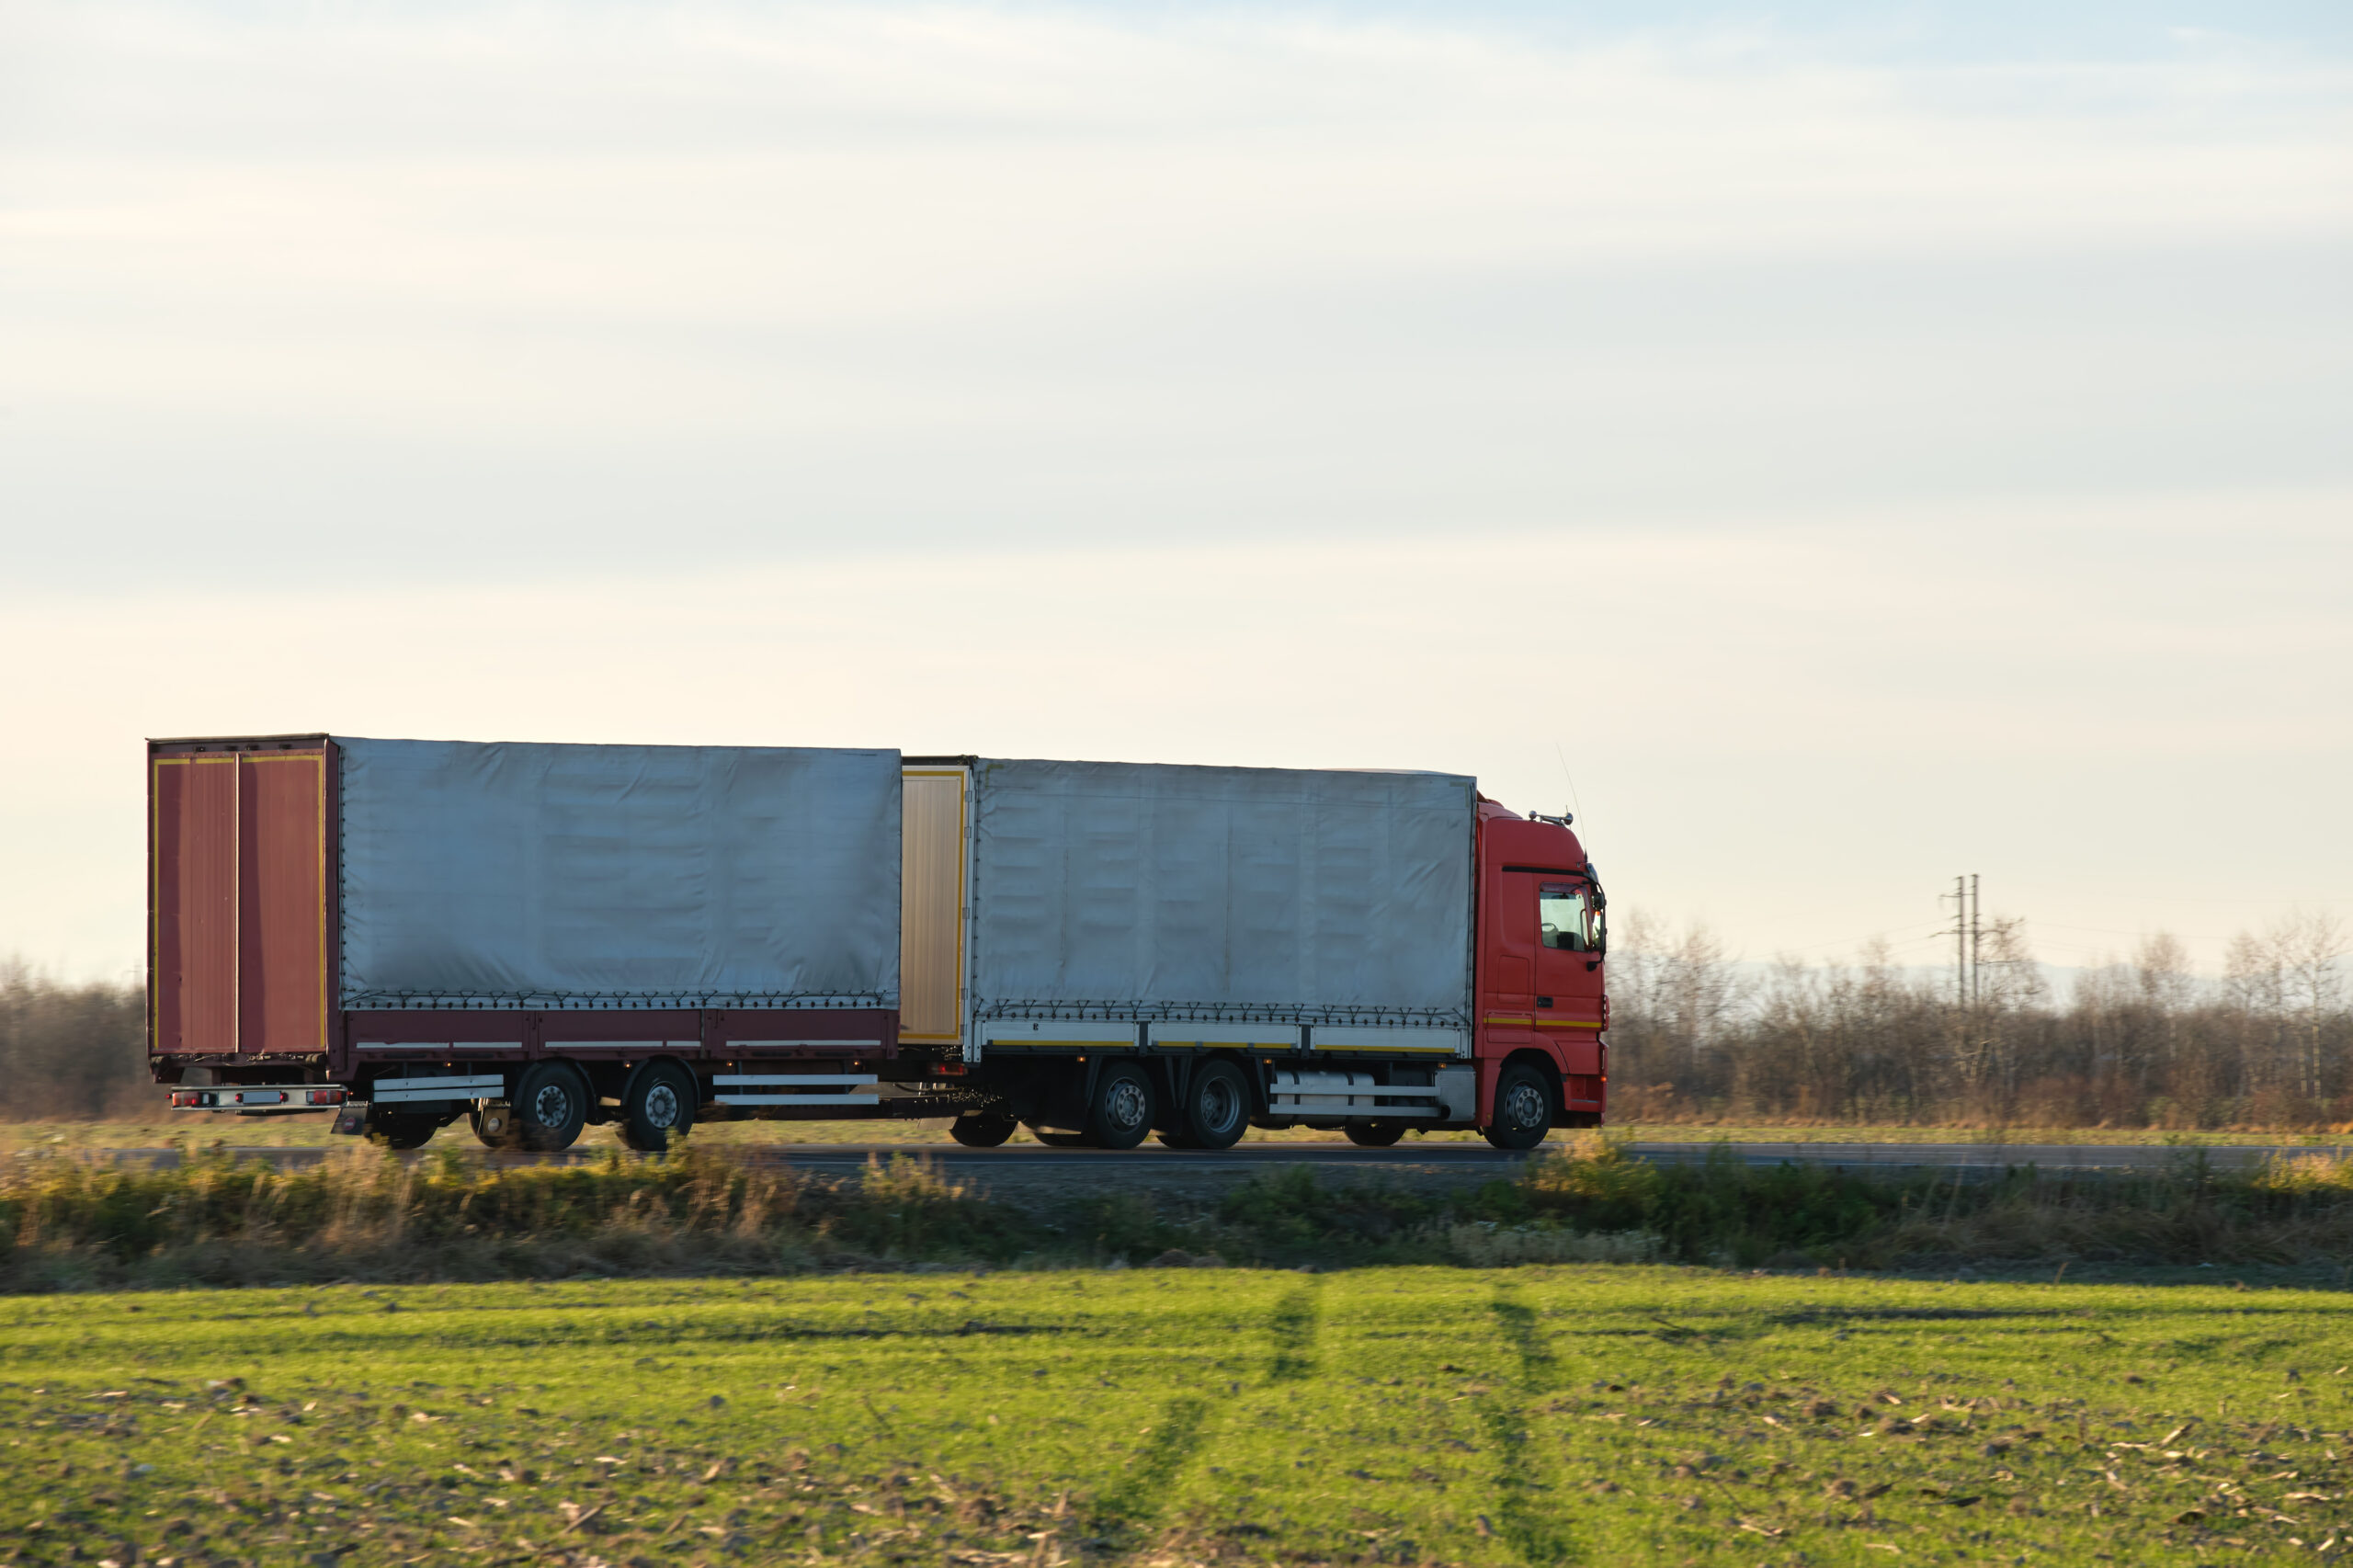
(1123, 1109)
(981, 1132)
(1523, 1109)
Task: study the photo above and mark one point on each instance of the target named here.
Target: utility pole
(1960, 940)
(1976, 969)
(1968, 942)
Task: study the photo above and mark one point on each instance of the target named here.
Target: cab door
(1568, 968)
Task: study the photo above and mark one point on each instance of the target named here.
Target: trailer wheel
(658, 1107)
(981, 1132)
(1523, 1109)
(400, 1129)
(1374, 1135)
(551, 1106)
(1216, 1109)
(1123, 1109)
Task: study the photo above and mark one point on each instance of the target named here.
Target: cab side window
(1566, 918)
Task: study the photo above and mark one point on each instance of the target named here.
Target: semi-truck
(538, 938)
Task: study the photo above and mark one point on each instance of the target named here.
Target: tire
(981, 1132)
(1177, 1140)
(658, 1107)
(1062, 1140)
(1523, 1112)
(1374, 1135)
(1123, 1109)
(401, 1129)
(551, 1106)
(1217, 1107)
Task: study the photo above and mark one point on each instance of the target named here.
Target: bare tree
(71, 1051)
(2307, 947)
(2141, 1041)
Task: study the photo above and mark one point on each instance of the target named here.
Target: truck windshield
(1570, 918)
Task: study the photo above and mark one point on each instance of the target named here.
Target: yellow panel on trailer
(931, 906)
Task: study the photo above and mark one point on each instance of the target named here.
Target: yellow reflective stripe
(1551, 1023)
(1380, 1049)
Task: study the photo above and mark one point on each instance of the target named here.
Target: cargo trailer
(541, 937)
(1116, 950)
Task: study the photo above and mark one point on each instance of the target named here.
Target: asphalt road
(1458, 1161)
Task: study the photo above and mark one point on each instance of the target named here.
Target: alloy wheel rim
(1525, 1106)
(1124, 1108)
(662, 1106)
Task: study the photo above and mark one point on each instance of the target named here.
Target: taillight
(326, 1096)
(184, 1098)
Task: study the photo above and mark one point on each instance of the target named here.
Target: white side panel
(1060, 1032)
(1170, 892)
(645, 1046)
(1360, 1036)
(444, 1045)
(542, 875)
(1178, 1037)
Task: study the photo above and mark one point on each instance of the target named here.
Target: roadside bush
(67, 1222)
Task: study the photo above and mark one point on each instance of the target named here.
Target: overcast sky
(1834, 446)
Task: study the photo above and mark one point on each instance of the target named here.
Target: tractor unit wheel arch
(1546, 1067)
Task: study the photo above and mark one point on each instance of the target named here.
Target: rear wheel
(981, 1132)
(551, 1106)
(1374, 1135)
(1061, 1140)
(1216, 1109)
(1523, 1109)
(400, 1129)
(1123, 1109)
(658, 1107)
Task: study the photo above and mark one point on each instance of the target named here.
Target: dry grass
(364, 1214)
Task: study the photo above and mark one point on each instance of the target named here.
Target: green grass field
(1605, 1415)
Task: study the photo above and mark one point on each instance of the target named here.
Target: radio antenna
(1569, 779)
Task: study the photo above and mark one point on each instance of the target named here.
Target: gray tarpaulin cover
(1186, 892)
(554, 873)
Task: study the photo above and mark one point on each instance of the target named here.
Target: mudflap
(351, 1119)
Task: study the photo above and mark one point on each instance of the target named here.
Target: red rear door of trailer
(238, 897)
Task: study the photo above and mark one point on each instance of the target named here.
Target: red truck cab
(1541, 1004)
